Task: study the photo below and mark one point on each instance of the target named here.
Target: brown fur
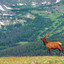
(52, 45)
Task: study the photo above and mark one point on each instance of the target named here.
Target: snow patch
(44, 2)
(57, 1)
(1, 23)
(7, 7)
(1, 8)
(20, 4)
(7, 14)
(33, 3)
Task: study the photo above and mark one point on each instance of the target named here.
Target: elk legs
(49, 52)
(60, 51)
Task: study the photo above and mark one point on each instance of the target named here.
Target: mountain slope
(6, 6)
(39, 21)
(8, 2)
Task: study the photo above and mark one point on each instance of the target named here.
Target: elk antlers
(46, 34)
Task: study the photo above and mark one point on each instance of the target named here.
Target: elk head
(44, 38)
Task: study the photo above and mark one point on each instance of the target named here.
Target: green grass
(22, 42)
(32, 60)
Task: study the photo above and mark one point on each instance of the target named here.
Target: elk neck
(45, 41)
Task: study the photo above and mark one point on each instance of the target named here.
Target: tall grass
(32, 60)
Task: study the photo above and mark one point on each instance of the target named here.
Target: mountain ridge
(37, 21)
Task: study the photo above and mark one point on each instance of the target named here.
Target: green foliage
(47, 19)
(29, 49)
(62, 1)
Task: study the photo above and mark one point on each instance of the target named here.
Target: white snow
(57, 1)
(34, 3)
(20, 4)
(7, 7)
(7, 14)
(1, 23)
(1, 8)
(44, 2)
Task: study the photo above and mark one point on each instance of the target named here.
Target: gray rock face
(10, 2)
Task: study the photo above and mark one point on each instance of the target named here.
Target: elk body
(52, 45)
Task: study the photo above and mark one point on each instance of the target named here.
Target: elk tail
(59, 43)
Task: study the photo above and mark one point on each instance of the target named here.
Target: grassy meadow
(32, 60)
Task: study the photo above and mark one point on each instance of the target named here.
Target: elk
(52, 45)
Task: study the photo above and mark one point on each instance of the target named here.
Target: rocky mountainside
(5, 7)
(8, 2)
(39, 1)
(5, 4)
(23, 26)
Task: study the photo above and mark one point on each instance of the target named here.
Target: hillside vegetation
(39, 21)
